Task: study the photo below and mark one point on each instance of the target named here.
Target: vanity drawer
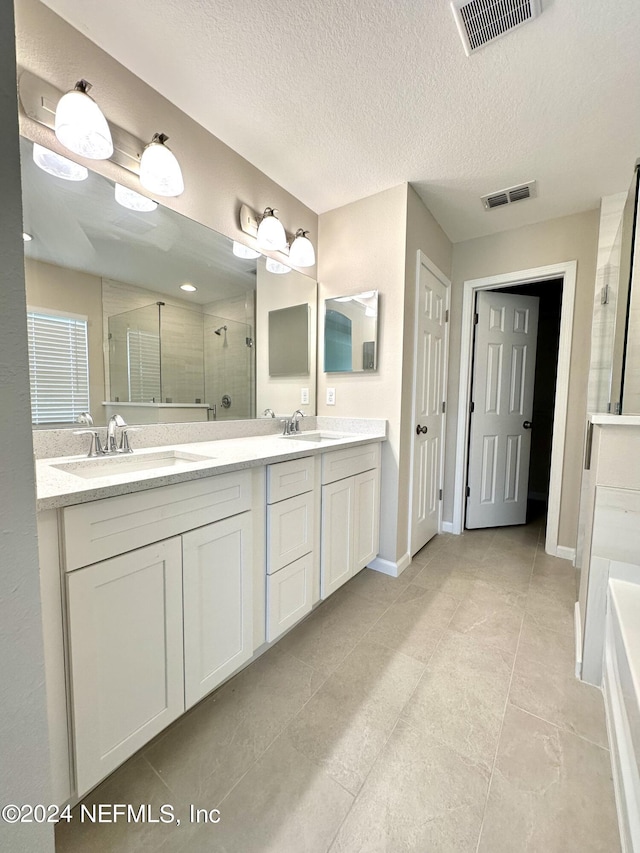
(101, 529)
(290, 529)
(288, 479)
(338, 464)
(288, 596)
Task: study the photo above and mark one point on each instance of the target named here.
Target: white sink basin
(316, 436)
(111, 466)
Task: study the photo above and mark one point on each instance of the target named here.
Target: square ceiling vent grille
(482, 21)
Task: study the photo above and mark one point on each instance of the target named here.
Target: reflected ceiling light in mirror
(58, 166)
(160, 172)
(81, 126)
(276, 267)
(271, 233)
(242, 251)
(189, 288)
(133, 200)
(302, 253)
(26, 237)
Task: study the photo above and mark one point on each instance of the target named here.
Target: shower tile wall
(229, 369)
(182, 355)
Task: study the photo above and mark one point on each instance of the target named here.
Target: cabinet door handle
(421, 429)
(527, 424)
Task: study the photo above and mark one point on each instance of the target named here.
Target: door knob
(421, 429)
(527, 424)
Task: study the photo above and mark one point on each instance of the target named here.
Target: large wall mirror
(147, 313)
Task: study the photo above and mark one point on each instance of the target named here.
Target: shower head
(220, 330)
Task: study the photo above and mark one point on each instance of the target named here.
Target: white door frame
(423, 260)
(567, 272)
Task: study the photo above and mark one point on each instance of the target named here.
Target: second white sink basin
(316, 436)
(111, 466)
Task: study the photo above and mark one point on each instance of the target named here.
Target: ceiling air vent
(482, 21)
(508, 196)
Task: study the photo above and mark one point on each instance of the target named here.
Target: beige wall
(564, 239)
(217, 180)
(60, 289)
(24, 740)
(372, 245)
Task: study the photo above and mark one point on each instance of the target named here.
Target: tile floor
(436, 712)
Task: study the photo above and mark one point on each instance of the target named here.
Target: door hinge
(471, 407)
(440, 495)
(444, 407)
(475, 319)
(468, 492)
(446, 316)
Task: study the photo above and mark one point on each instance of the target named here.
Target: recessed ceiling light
(26, 237)
(188, 287)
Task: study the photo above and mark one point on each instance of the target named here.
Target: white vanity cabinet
(125, 637)
(293, 511)
(350, 513)
(153, 630)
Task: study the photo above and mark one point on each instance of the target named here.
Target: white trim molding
(567, 271)
(388, 567)
(566, 553)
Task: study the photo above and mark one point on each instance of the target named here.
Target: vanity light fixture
(276, 267)
(58, 166)
(271, 234)
(160, 172)
(133, 200)
(81, 126)
(242, 251)
(26, 237)
(190, 288)
(301, 253)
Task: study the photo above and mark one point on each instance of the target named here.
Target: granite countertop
(59, 488)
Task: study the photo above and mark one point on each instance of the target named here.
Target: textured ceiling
(337, 100)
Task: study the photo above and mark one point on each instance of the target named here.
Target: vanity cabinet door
(337, 535)
(125, 637)
(366, 524)
(218, 603)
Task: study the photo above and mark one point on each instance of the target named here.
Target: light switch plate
(304, 396)
(331, 396)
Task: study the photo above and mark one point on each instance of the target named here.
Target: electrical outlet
(331, 396)
(304, 396)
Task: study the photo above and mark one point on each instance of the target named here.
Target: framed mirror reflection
(351, 333)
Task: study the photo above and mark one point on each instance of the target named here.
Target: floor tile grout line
(495, 757)
(560, 728)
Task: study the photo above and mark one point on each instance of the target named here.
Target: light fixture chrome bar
(249, 221)
(39, 100)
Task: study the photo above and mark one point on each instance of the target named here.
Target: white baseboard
(577, 624)
(447, 526)
(388, 567)
(566, 553)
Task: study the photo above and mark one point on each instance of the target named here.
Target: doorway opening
(566, 273)
(530, 462)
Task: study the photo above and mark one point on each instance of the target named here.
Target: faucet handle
(95, 446)
(125, 447)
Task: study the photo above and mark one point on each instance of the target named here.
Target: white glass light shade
(271, 233)
(242, 251)
(160, 172)
(81, 127)
(26, 237)
(133, 200)
(276, 267)
(302, 253)
(58, 166)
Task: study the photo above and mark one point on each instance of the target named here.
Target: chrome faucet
(115, 421)
(268, 413)
(293, 424)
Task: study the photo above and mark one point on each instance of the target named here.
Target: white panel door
(500, 432)
(125, 635)
(428, 408)
(218, 603)
(336, 552)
